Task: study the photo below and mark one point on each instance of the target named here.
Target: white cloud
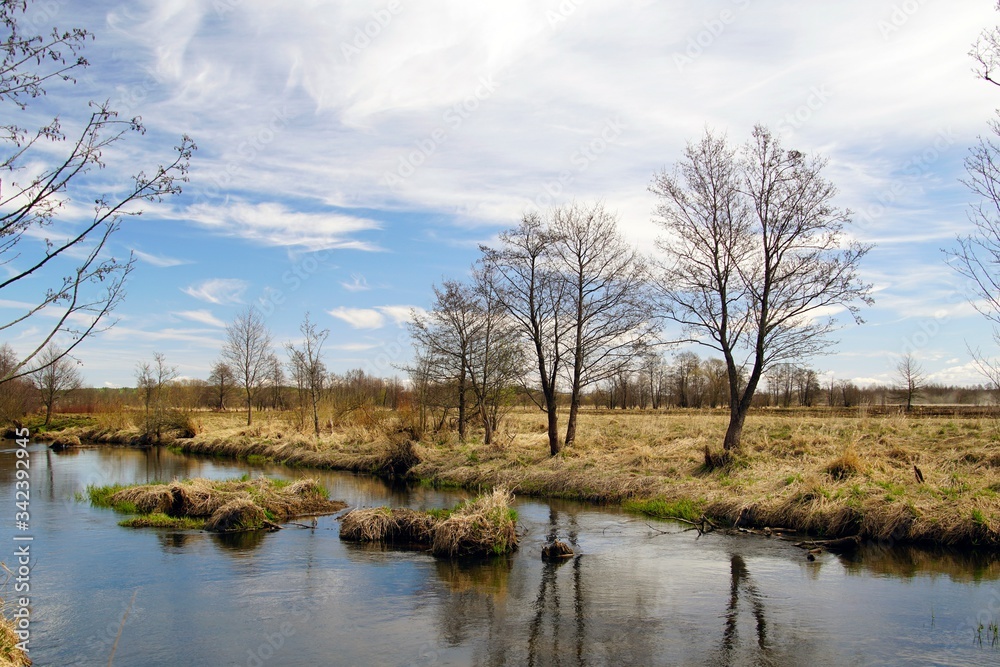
(358, 283)
(159, 260)
(400, 314)
(274, 224)
(202, 316)
(219, 291)
(359, 318)
(375, 318)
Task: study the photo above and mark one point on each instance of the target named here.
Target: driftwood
(702, 525)
(840, 545)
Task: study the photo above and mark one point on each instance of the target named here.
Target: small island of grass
(483, 526)
(222, 506)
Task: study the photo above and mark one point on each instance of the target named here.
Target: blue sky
(352, 154)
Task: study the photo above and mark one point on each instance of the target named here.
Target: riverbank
(828, 476)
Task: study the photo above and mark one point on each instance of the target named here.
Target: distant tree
(247, 351)
(716, 382)
(55, 376)
(306, 365)
(70, 284)
(223, 381)
(754, 253)
(18, 396)
(151, 382)
(910, 380)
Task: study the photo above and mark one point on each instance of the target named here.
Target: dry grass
(10, 654)
(233, 505)
(483, 526)
(832, 475)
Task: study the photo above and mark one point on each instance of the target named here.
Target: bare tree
(306, 363)
(55, 376)
(445, 336)
(70, 283)
(247, 351)
(753, 257)
(151, 380)
(606, 288)
(977, 257)
(222, 380)
(18, 396)
(910, 380)
(535, 297)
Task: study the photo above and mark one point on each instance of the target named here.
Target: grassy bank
(10, 654)
(832, 476)
(218, 506)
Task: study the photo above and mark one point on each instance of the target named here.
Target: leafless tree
(910, 380)
(754, 257)
(222, 381)
(306, 364)
(70, 283)
(247, 351)
(55, 376)
(17, 397)
(536, 298)
(606, 288)
(977, 256)
(445, 338)
(151, 381)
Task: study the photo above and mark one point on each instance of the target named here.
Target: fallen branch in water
(702, 525)
(839, 545)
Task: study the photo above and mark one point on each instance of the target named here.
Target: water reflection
(910, 561)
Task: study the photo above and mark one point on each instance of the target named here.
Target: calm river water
(302, 597)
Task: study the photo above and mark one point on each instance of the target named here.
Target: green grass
(159, 520)
(660, 508)
(100, 496)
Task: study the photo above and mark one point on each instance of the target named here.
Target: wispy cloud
(400, 314)
(274, 224)
(202, 316)
(159, 260)
(220, 291)
(358, 283)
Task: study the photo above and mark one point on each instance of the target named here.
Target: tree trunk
(737, 415)
(48, 413)
(249, 408)
(574, 408)
(462, 417)
(550, 407)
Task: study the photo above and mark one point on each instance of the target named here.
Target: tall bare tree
(754, 256)
(71, 283)
(536, 298)
(910, 380)
(306, 364)
(55, 376)
(247, 351)
(606, 289)
(977, 256)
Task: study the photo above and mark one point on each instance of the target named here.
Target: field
(831, 475)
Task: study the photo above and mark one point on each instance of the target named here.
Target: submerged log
(840, 545)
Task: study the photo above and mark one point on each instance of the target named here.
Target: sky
(353, 154)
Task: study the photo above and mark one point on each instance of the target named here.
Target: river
(633, 596)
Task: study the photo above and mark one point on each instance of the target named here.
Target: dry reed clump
(239, 514)
(381, 524)
(845, 465)
(483, 526)
(145, 499)
(486, 525)
(10, 654)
